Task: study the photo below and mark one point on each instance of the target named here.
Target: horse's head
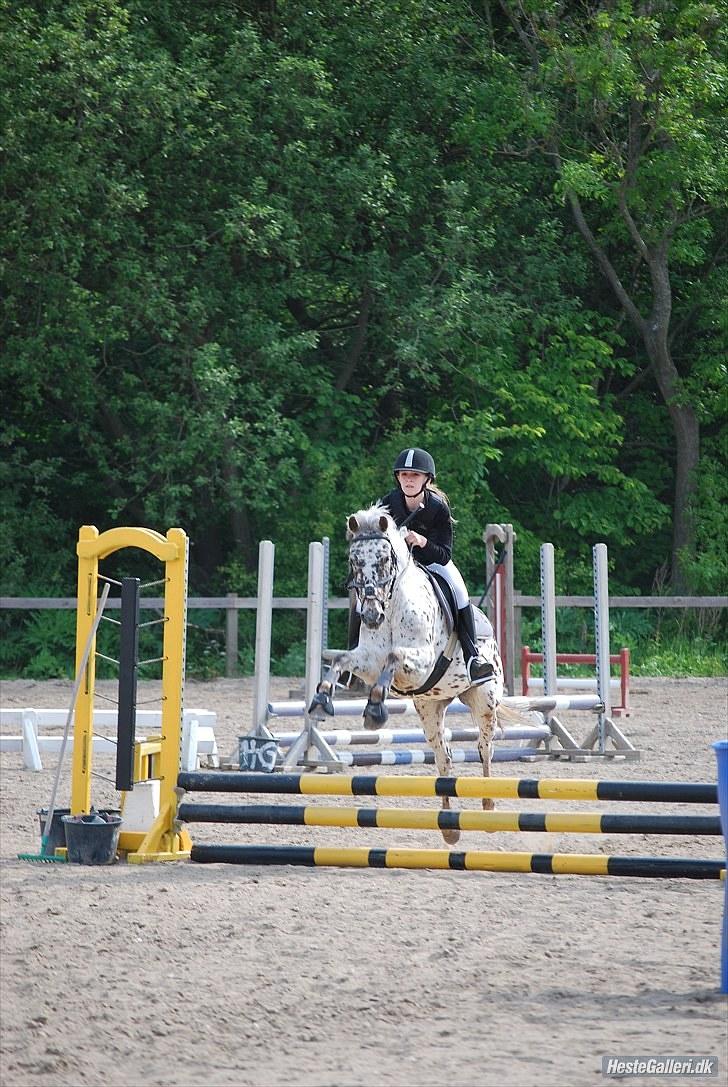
(377, 554)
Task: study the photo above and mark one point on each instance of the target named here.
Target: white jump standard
(313, 746)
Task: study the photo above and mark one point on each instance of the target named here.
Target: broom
(45, 857)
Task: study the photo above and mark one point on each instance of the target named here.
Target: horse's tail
(516, 717)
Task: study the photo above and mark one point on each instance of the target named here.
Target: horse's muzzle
(372, 613)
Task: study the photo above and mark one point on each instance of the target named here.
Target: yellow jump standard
(162, 841)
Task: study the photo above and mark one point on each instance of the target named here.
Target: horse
(405, 645)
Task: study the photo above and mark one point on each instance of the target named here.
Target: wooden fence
(231, 604)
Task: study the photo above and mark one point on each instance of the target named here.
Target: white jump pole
(601, 637)
(548, 637)
(548, 618)
(354, 707)
(310, 739)
(605, 727)
(263, 634)
(325, 598)
(314, 619)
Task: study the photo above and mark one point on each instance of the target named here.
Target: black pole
(128, 659)
(499, 561)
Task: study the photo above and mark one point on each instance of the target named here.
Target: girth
(442, 664)
(446, 602)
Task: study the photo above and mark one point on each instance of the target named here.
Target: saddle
(445, 597)
(448, 605)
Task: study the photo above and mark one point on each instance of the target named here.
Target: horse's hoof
(375, 715)
(488, 804)
(451, 837)
(322, 700)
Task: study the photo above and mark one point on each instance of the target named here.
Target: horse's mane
(378, 520)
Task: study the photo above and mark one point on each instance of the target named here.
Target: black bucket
(92, 839)
(57, 836)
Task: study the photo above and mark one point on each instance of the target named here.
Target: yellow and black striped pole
(674, 792)
(575, 864)
(319, 815)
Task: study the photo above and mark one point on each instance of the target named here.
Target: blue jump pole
(721, 754)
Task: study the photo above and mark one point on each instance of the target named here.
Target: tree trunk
(684, 418)
(655, 331)
(686, 428)
(356, 347)
(239, 519)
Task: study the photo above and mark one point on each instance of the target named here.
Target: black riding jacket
(433, 521)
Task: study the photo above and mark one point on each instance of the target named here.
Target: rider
(423, 508)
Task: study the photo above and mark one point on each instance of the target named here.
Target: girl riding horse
(423, 508)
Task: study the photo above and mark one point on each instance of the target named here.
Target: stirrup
(479, 671)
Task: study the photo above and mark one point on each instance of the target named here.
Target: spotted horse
(406, 644)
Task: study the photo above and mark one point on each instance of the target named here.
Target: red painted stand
(622, 659)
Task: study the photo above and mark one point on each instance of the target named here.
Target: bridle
(365, 588)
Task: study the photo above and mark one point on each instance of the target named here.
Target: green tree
(250, 251)
(627, 102)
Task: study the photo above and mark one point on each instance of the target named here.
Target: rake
(46, 857)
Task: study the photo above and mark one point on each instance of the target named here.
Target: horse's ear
(384, 523)
(353, 524)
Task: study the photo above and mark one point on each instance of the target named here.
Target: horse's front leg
(375, 711)
(412, 665)
(354, 661)
(432, 716)
(323, 701)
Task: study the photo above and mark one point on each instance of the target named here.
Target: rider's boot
(478, 669)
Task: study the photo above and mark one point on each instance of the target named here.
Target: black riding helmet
(415, 460)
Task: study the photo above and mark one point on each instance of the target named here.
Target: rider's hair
(430, 486)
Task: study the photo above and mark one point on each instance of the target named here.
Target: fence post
(517, 636)
(231, 636)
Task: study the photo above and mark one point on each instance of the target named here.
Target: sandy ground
(187, 975)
